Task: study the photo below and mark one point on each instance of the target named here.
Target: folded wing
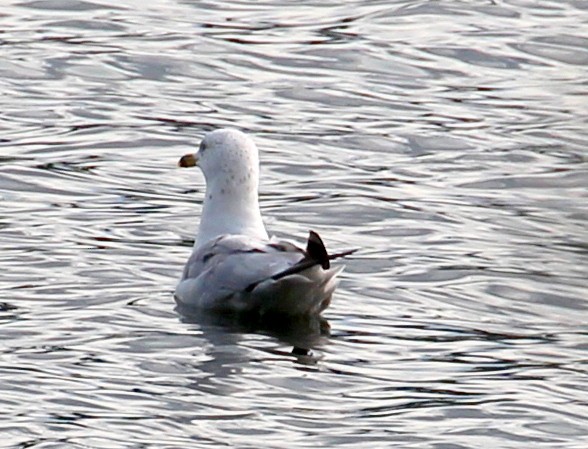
(241, 274)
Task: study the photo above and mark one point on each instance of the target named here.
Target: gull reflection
(302, 332)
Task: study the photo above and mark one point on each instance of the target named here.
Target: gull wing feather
(229, 264)
(242, 274)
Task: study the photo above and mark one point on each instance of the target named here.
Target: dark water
(447, 139)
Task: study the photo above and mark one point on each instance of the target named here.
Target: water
(447, 139)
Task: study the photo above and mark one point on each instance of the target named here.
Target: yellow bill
(188, 160)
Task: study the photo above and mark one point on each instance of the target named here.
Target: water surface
(447, 139)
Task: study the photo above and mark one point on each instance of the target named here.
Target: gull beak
(188, 160)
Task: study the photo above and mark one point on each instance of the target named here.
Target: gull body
(235, 266)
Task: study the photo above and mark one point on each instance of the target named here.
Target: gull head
(226, 156)
(230, 162)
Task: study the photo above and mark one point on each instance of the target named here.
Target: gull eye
(202, 146)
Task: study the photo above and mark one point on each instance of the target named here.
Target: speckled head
(226, 155)
(230, 162)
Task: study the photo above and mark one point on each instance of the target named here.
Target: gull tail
(315, 254)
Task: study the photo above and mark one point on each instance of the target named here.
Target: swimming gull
(235, 266)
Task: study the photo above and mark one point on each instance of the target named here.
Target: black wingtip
(315, 250)
(316, 254)
(343, 253)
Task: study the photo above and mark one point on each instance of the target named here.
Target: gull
(235, 266)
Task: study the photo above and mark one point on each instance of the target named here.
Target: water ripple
(445, 139)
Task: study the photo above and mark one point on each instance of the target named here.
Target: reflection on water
(303, 332)
(446, 139)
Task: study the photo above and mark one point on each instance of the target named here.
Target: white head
(229, 161)
(226, 154)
